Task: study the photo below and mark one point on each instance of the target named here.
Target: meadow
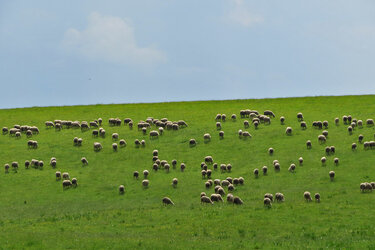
(36, 213)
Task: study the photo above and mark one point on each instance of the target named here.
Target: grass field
(35, 212)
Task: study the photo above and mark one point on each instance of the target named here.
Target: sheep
(95, 133)
(303, 125)
(241, 180)
(145, 183)
(366, 145)
(58, 175)
(97, 146)
(308, 144)
(208, 159)
(27, 164)
(223, 167)
(270, 151)
(84, 161)
(300, 160)
(65, 176)
(307, 196)
(363, 187)
(350, 130)
(331, 175)
(373, 185)
(137, 143)
(209, 173)
(264, 170)
(167, 167)
(240, 133)
(155, 167)
(368, 186)
(203, 172)
(205, 199)
(328, 150)
(256, 173)
(167, 201)
(325, 124)
(317, 195)
(218, 125)
(370, 122)
(282, 120)
(345, 119)
(102, 133)
(182, 167)
(6, 167)
(233, 117)
(288, 131)
(114, 146)
(336, 161)
(29, 133)
(182, 123)
(221, 134)
(337, 121)
(231, 187)
(145, 174)
(325, 133)
(267, 202)
(269, 113)
(236, 181)
(300, 116)
(74, 182)
(216, 197)
(230, 198)
(360, 123)
(66, 184)
(93, 124)
(237, 200)
(221, 191)
(277, 166)
(49, 124)
(135, 174)
(203, 194)
(246, 123)
(218, 117)
(40, 164)
(229, 179)
(279, 197)
(32, 144)
(229, 167)
(5, 130)
(115, 136)
(144, 131)
(121, 189)
(217, 182)
(53, 163)
(321, 139)
(292, 167)
(246, 134)
(122, 143)
(215, 166)
(207, 137)
(154, 134)
(192, 142)
(323, 160)
(360, 138)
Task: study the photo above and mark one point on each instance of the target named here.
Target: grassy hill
(36, 213)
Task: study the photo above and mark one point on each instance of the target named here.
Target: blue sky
(88, 52)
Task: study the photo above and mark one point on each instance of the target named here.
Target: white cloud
(241, 15)
(110, 39)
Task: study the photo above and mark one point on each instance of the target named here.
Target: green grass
(95, 216)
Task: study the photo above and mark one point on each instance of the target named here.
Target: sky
(70, 52)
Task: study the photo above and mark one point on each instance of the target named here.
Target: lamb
(270, 151)
(331, 175)
(207, 137)
(264, 170)
(145, 173)
(307, 196)
(336, 161)
(97, 146)
(192, 142)
(218, 125)
(279, 197)
(221, 134)
(300, 116)
(308, 144)
(135, 174)
(115, 136)
(167, 201)
(256, 173)
(122, 143)
(205, 199)
(121, 189)
(317, 195)
(58, 175)
(288, 131)
(145, 183)
(237, 200)
(267, 202)
(66, 184)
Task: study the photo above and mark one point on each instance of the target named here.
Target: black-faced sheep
(167, 201)
(264, 170)
(317, 195)
(267, 202)
(331, 175)
(307, 196)
(135, 174)
(205, 199)
(121, 189)
(182, 167)
(256, 173)
(145, 183)
(97, 146)
(308, 144)
(288, 131)
(270, 151)
(66, 184)
(237, 200)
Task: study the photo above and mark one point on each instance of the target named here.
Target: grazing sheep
(174, 163)
(216, 197)
(49, 124)
(145, 173)
(208, 159)
(203, 194)
(345, 119)
(58, 175)
(277, 166)
(223, 167)
(182, 167)
(121, 189)
(350, 130)
(267, 202)
(114, 146)
(236, 181)
(321, 139)
(27, 164)
(337, 121)
(300, 160)
(292, 167)
(102, 133)
(53, 163)
(368, 186)
(237, 200)
(231, 187)
(269, 113)
(336, 161)
(317, 195)
(145, 183)
(6, 167)
(221, 134)
(65, 176)
(270, 151)
(167, 201)
(192, 142)
(288, 131)
(74, 182)
(354, 146)
(229, 167)
(246, 134)
(218, 117)
(333, 149)
(95, 133)
(205, 199)
(373, 185)
(328, 150)
(323, 160)
(155, 167)
(29, 133)
(97, 146)
(40, 164)
(241, 180)
(230, 198)
(360, 138)
(308, 144)
(135, 174)
(115, 136)
(215, 166)
(155, 152)
(137, 143)
(32, 144)
(331, 175)
(362, 186)
(144, 131)
(203, 172)
(246, 123)
(84, 161)
(325, 124)
(15, 166)
(282, 120)
(370, 122)
(264, 170)
(122, 143)
(66, 184)
(360, 123)
(233, 117)
(279, 197)
(300, 116)
(207, 137)
(209, 173)
(303, 125)
(307, 196)
(5, 130)
(167, 167)
(154, 134)
(256, 173)
(325, 133)
(218, 125)
(221, 191)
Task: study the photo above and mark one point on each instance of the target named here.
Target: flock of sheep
(208, 166)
